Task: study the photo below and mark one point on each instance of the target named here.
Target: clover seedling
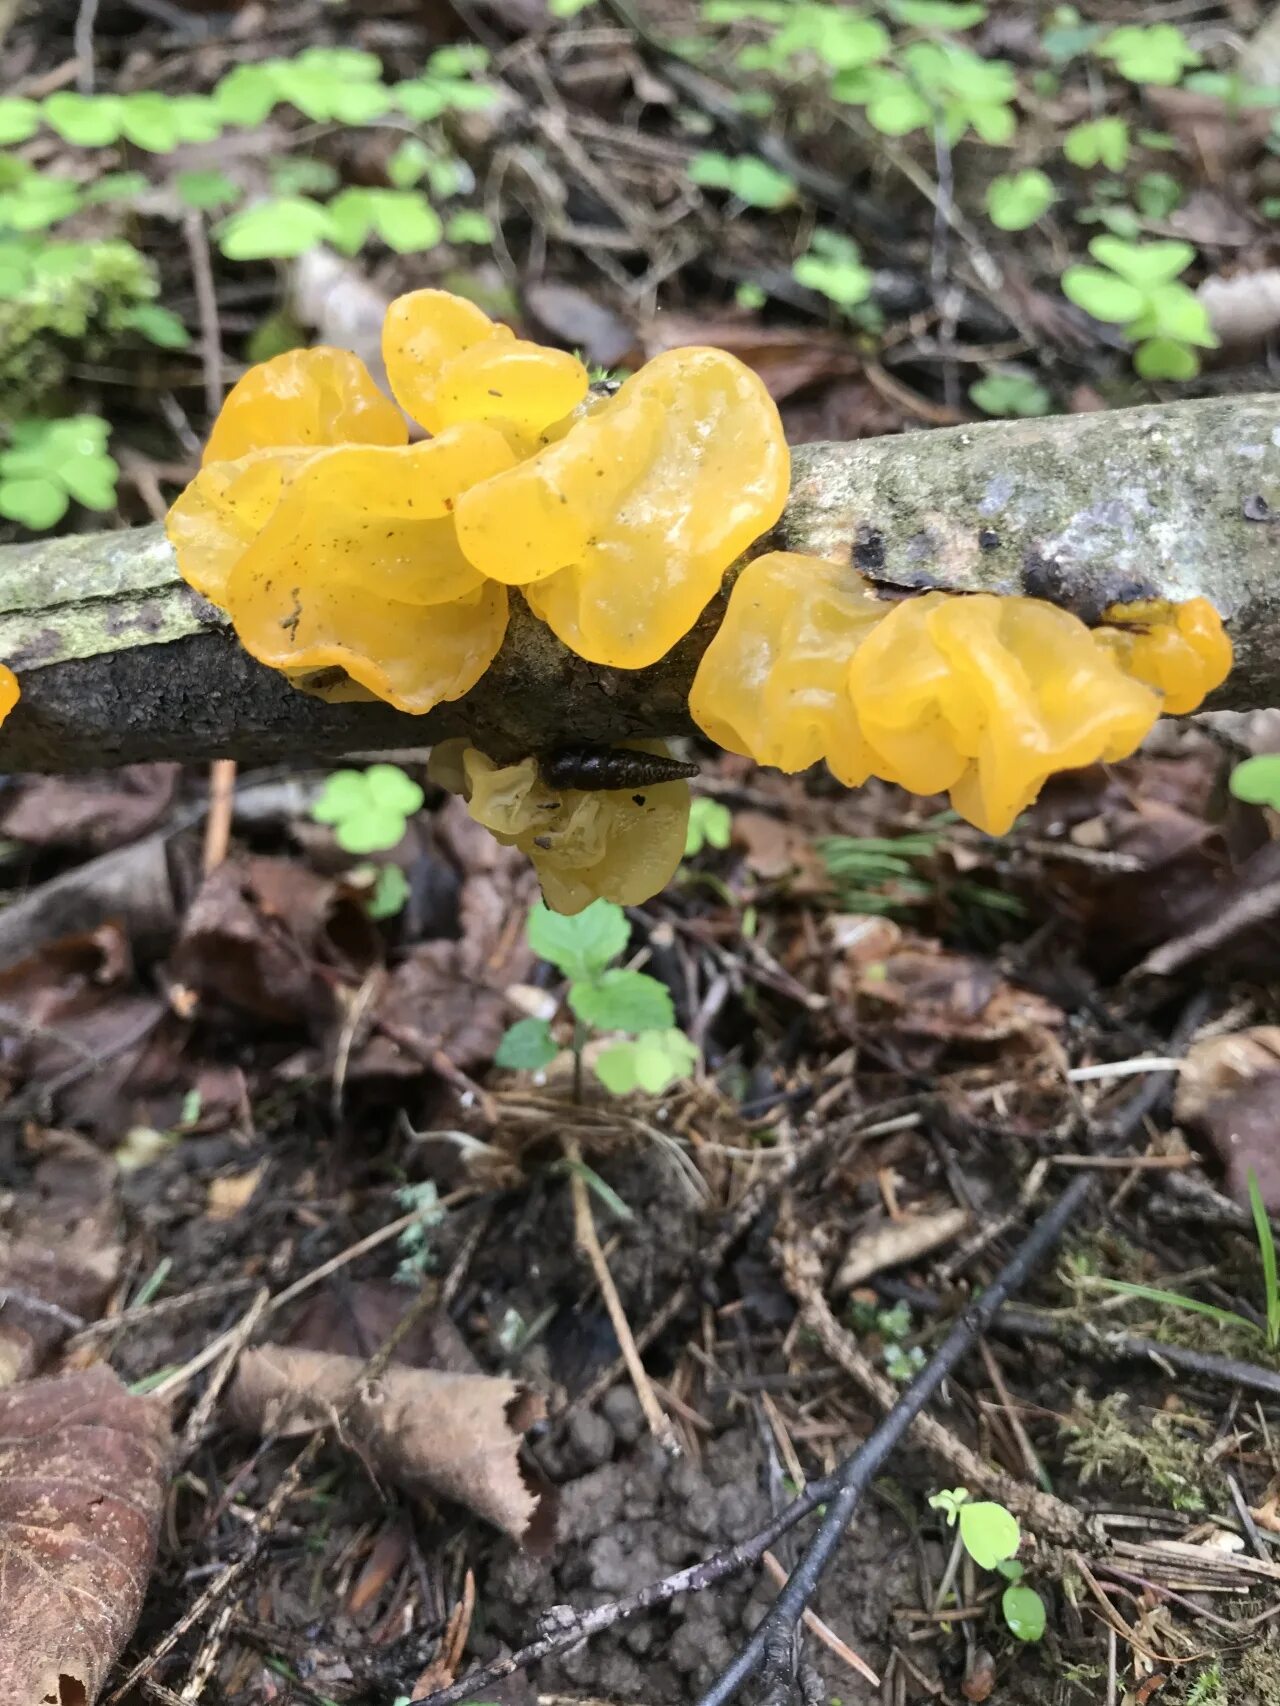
(368, 809)
(1149, 53)
(990, 1535)
(710, 825)
(753, 181)
(1098, 142)
(834, 268)
(1018, 200)
(939, 82)
(1015, 394)
(1137, 288)
(50, 463)
(602, 997)
(280, 229)
(404, 219)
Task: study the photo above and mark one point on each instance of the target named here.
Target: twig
(193, 229)
(222, 800)
(823, 1631)
(86, 65)
(588, 1241)
(239, 1337)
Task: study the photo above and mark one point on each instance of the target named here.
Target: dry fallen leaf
(83, 1469)
(93, 812)
(454, 1436)
(232, 1192)
(1229, 1093)
(891, 1244)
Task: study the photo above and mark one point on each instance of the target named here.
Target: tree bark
(119, 660)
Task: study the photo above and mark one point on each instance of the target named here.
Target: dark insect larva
(597, 768)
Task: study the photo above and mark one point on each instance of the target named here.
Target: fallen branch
(119, 660)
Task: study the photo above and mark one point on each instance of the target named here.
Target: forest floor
(248, 1079)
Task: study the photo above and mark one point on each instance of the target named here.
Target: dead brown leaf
(130, 888)
(579, 321)
(95, 812)
(262, 933)
(1229, 1094)
(436, 1435)
(83, 1471)
(950, 997)
(232, 1192)
(787, 360)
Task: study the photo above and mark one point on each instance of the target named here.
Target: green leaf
(196, 118)
(938, 14)
(281, 229)
(247, 96)
(652, 1063)
(1098, 142)
(410, 163)
(148, 119)
(989, 1532)
(91, 480)
(1145, 264)
(752, 180)
(949, 1501)
(39, 201)
(116, 186)
(1165, 358)
(842, 39)
(1018, 200)
(1257, 780)
(1157, 194)
(1016, 394)
(389, 893)
(391, 790)
(845, 282)
(36, 503)
(582, 944)
(710, 825)
(1102, 294)
(1176, 1300)
(469, 225)
(19, 119)
(1024, 1613)
(598, 1187)
(1267, 1251)
(406, 221)
(158, 325)
(1173, 311)
(526, 1046)
(344, 794)
(88, 121)
(303, 174)
(206, 191)
(622, 1001)
(1149, 53)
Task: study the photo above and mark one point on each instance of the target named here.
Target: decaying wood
(119, 660)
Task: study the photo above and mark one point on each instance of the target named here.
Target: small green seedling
(387, 889)
(1016, 201)
(1137, 288)
(368, 809)
(1270, 1333)
(935, 83)
(751, 180)
(602, 997)
(417, 1257)
(1098, 142)
(990, 1535)
(710, 825)
(902, 1362)
(50, 464)
(1149, 53)
(1257, 780)
(833, 267)
(1010, 394)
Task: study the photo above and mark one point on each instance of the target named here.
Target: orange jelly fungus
(982, 696)
(621, 530)
(1182, 650)
(10, 692)
(619, 844)
(447, 362)
(305, 399)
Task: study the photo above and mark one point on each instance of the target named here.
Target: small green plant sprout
(1137, 288)
(935, 83)
(602, 997)
(1007, 392)
(710, 825)
(50, 464)
(387, 889)
(990, 1535)
(750, 179)
(1149, 53)
(1257, 780)
(1017, 200)
(1157, 194)
(1098, 142)
(404, 219)
(368, 809)
(1067, 36)
(1270, 1333)
(206, 190)
(902, 1362)
(833, 267)
(279, 229)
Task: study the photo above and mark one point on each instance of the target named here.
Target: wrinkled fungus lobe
(984, 697)
(10, 692)
(614, 844)
(621, 531)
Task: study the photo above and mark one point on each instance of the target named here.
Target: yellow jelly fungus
(1182, 650)
(448, 363)
(10, 692)
(359, 567)
(988, 697)
(306, 398)
(614, 844)
(773, 683)
(219, 515)
(622, 530)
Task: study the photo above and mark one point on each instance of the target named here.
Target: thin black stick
(857, 1471)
